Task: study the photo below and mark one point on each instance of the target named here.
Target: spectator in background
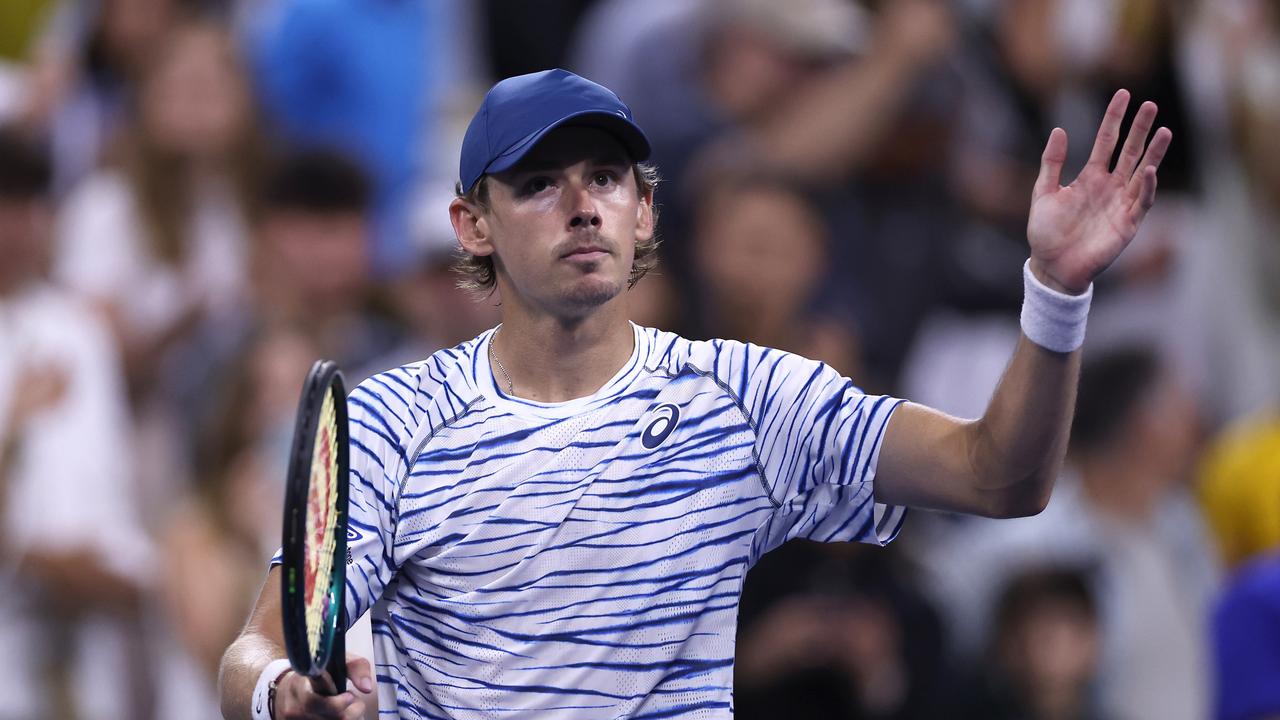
(1044, 652)
(313, 262)
(1170, 292)
(215, 538)
(86, 69)
(761, 255)
(435, 312)
(371, 79)
(655, 303)
(1024, 68)
(1253, 48)
(310, 276)
(1241, 41)
(1253, 34)
(1129, 514)
(835, 632)
(1012, 74)
(812, 90)
(311, 299)
(1239, 488)
(73, 568)
(1246, 639)
(524, 37)
(1133, 443)
(724, 67)
(159, 240)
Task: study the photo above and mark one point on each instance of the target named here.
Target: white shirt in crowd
(68, 487)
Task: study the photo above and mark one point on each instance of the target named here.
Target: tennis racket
(315, 532)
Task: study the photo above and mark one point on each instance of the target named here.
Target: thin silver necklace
(492, 356)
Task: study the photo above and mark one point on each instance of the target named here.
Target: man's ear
(471, 227)
(644, 218)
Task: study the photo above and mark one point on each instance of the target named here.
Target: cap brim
(626, 132)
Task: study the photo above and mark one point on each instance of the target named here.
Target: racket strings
(321, 521)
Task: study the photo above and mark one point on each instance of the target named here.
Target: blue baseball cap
(520, 111)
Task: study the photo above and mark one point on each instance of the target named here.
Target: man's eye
(603, 179)
(536, 185)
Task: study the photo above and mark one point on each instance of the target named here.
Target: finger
(1137, 140)
(1150, 159)
(1146, 194)
(355, 711)
(360, 672)
(334, 706)
(1109, 131)
(1055, 153)
(322, 684)
(301, 697)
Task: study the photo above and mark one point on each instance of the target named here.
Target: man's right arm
(260, 643)
(378, 441)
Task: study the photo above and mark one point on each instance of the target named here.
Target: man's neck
(550, 359)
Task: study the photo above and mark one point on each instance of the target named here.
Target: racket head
(315, 523)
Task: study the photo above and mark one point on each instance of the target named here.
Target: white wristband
(1051, 319)
(262, 704)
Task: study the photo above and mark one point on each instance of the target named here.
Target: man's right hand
(302, 698)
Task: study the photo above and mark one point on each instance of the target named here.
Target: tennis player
(554, 520)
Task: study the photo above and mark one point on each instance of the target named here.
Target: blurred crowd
(200, 197)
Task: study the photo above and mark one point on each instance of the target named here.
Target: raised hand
(1077, 231)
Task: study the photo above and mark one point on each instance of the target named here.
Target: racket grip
(337, 667)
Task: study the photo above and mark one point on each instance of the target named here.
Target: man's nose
(584, 212)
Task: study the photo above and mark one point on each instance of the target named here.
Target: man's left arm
(1004, 463)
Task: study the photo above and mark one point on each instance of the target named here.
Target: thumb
(360, 672)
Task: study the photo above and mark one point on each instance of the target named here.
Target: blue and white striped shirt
(584, 559)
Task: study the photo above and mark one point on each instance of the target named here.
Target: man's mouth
(586, 252)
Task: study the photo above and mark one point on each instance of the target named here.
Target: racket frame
(324, 377)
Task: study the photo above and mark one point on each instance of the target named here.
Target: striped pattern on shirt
(584, 559)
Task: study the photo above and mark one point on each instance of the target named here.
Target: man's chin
(591, 292)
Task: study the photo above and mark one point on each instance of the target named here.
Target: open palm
(1077, 231)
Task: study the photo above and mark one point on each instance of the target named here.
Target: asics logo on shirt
(661, 426)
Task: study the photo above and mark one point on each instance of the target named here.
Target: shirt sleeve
(817, 442)
(379, 420)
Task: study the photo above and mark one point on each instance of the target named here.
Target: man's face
(24, 230)
(322, 257)
(563, 224)
(760, 246)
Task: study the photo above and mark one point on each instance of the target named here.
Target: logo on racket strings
(661, 426)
